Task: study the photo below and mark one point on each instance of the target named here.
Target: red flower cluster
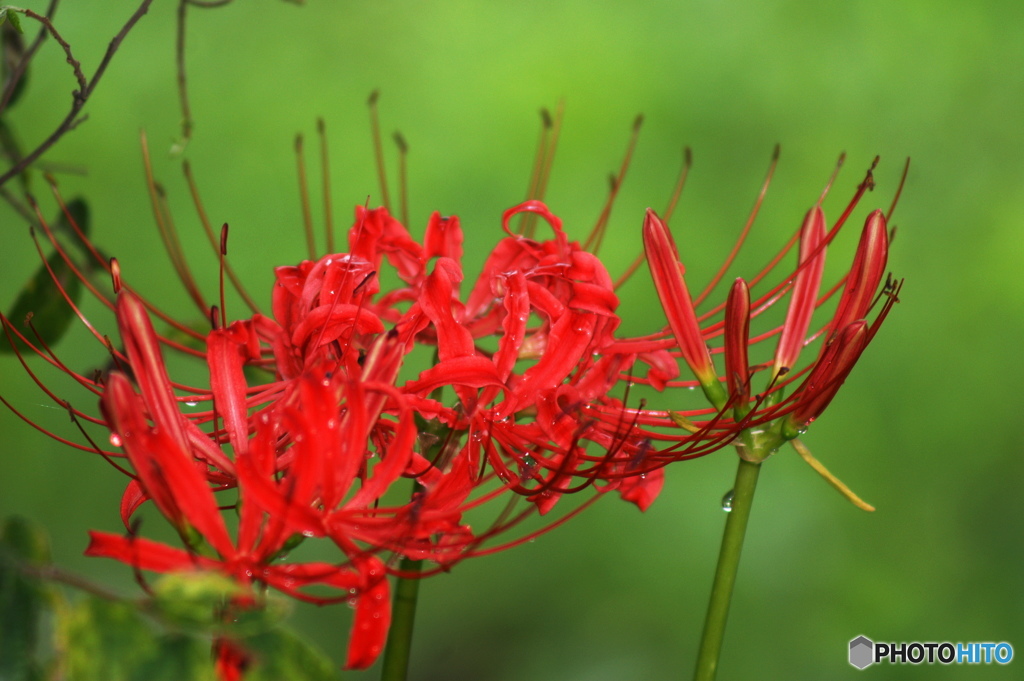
(311, 415)
(314, 447)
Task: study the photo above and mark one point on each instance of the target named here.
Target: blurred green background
(925, 429)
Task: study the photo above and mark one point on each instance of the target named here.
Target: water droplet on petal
(727, 501)
(115, 440)
(191, 403)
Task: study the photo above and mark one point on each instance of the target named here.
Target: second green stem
(725, 573)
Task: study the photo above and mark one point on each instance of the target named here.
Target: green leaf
(192, 600)
(15, 20)
(281, 654)
(198, 601)
(42, 302)
(41, 299)
(79, 211)
(104, 640)
(22, 598)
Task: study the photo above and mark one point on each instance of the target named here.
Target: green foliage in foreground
(55, 625)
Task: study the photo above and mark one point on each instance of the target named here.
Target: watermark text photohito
(865, 652)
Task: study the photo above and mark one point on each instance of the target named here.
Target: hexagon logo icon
(861, 652)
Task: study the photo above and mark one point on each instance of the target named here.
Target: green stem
(403, 614)
(725, 573)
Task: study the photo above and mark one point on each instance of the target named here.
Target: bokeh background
(927, 428)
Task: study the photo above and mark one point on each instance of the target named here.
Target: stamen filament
(307, 217)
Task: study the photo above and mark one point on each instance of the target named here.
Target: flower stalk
(403, 616)
(725, 572)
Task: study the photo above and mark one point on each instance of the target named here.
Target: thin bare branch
(26, 58)
(86, 87)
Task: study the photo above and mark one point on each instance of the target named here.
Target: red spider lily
(788, 404)
(315, 447)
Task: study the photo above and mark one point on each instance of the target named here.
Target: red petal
(828, 374)
(805, 291)
(166, 470)
(443, 238)
(328, 322)
(568, 342)
(230, 660)
(537, 207)
(517, 312)
(133, 497)
(287, 517)
(373, 616)
(866, 272)
(737, 336)
(438, 301)
(594, 298)
(381, 365)
(144, 553)
(643, 489)
(122, 409)
(474, 372)
(510, 255)
(395, 459)
(667, 272)
(376, 234)
(226, 351)
(147, 364)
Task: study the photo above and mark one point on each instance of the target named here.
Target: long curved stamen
(741, 239)
(212, 238)
(551, 128)
(307, 214)
(325, 180)
(596, 236)
(666, 216)
(169, 235)
(403, 184)
(378, 148)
